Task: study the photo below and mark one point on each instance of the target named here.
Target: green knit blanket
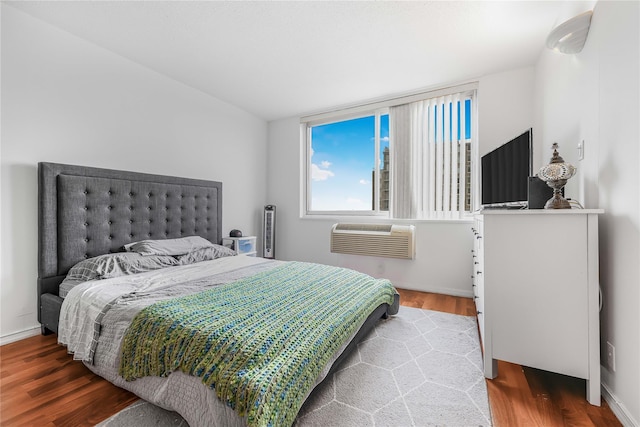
(262, 341)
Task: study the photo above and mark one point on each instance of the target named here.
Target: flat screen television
(505, 173)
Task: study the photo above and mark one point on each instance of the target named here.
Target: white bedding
(85, 304)
(95, 316)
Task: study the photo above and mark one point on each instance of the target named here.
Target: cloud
(354, 201)
(364, 182)
(383, 139)
(325, 164)
(318, 174)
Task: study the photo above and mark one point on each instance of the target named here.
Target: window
(431, 168)
(410, 158)
(348, 166)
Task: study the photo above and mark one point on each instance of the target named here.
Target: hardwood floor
(41, 385)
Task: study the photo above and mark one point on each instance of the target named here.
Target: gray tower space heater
(269, 230)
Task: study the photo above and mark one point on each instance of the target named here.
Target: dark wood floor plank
(41, 385)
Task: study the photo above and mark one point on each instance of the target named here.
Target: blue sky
(341, 174)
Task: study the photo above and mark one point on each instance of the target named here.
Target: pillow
(112, 265)
(206, 254)
(180, 246)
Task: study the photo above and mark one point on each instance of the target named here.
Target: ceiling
(285, 59)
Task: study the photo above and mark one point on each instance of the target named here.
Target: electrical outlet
(581, 150)
(611, 356)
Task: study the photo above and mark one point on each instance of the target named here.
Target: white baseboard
(17, 336)
(618, 408)
(435, 290)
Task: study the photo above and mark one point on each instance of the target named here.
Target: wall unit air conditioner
(383, 240)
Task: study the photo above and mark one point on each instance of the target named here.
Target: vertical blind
(429, 157)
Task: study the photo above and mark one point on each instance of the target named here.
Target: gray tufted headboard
(84, 212)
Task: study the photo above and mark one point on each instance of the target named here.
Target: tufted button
(109, 192)
(131, 194)
(149, 208)
(86, 224)
(130, 221)
(86, 256)
(109, 207)
(86, 240)
(149, 221)
(110, 237)
(148, 234)
(149, 194)
(109, 222)
(130, 235)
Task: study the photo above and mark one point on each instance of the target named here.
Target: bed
(88, 214)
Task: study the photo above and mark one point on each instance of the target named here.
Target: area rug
(418, 368)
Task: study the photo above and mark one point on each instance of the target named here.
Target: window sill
(380, 219)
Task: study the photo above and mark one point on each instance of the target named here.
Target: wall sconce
(570, 36)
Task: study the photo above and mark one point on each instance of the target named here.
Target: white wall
(443, 250)
(68, 101)
(505, 107)
(595, 96)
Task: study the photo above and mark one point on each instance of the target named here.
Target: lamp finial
(556, 157)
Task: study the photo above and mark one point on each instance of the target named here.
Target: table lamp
(556, 174)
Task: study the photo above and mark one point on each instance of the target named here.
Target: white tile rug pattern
(418, 368)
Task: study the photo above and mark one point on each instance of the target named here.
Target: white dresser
(536, 290)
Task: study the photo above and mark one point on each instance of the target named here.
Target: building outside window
(384, 181)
